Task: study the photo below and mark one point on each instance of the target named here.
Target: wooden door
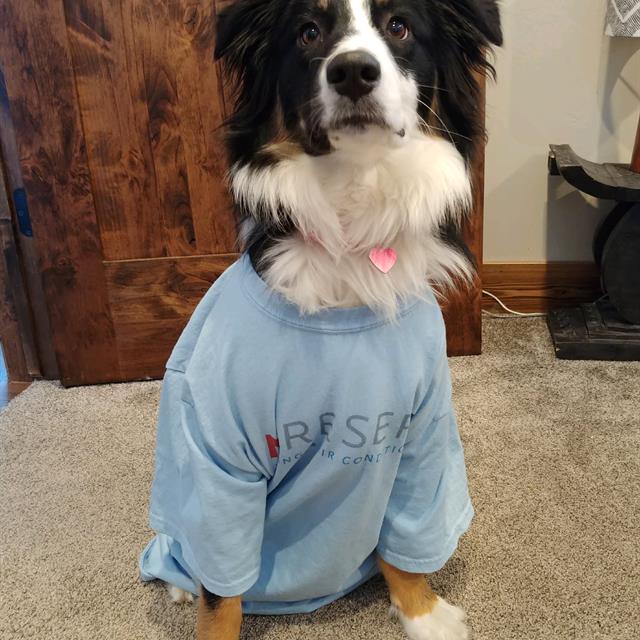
(117, 107)
(463, 310)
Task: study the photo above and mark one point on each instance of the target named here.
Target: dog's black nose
(353, 74)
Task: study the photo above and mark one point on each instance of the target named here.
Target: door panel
(151, 104)
(115, 125)
(151, 301)
(117, 107)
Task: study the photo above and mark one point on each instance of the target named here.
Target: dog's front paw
(443, 622)
(179, 596)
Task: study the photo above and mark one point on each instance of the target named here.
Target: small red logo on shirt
(274, 446)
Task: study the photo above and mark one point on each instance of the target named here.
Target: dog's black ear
(224, 33)
(242, 28)
(477, 20)
(244, 37)
(226, 26)
(488, 16)
(467, 29)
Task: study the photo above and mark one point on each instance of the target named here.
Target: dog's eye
(309, 33)
(397, 28)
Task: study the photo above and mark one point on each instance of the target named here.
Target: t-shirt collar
(335, 320)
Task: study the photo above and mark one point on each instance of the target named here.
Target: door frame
(16, 327)
(21, 276)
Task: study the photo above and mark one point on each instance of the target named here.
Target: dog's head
(316, 71)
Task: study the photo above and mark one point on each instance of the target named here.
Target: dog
(306, 438)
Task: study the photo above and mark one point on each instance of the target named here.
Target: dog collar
(382, 258)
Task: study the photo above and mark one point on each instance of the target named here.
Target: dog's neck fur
(374, 190)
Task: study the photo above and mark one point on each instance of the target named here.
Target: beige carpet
(553, 451)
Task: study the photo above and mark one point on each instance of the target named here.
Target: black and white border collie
(350, 143)
(354, 125)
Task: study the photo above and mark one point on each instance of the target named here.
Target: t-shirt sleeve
(210, 492)
(429, 507)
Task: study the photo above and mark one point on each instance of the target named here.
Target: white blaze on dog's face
(367, 83)
(360, 83)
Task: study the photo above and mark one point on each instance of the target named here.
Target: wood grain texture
(537, 287)
(152, 301)
(152, 108)
(36, 61)
(115, 124)
(462, 309)
(25, 246)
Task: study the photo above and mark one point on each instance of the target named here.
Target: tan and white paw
(179, 596)
(443, 622)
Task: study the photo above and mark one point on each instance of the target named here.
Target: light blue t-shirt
(292, 448)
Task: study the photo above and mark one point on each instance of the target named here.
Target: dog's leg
(218, 618)
(423, 614)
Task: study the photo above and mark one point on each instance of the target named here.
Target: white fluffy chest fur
(374, 190)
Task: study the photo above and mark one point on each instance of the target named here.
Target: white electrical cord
(513, 314)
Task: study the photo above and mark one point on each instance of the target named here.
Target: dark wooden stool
(609, 328)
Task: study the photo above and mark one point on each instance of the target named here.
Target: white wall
(560, 80)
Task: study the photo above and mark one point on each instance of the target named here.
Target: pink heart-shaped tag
(383, 258)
